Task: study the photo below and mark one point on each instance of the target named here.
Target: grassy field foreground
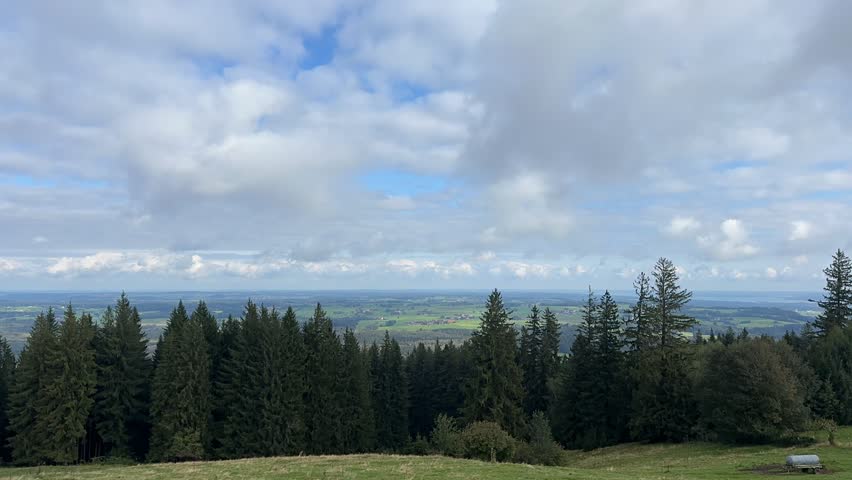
(630, 461)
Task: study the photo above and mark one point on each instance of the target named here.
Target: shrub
(487, 441)
(749, 395)
(446, 438)
(541, 448)
(420, 446)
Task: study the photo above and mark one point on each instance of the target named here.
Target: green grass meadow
(622, 462)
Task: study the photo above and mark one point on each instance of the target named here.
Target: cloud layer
(312, 143)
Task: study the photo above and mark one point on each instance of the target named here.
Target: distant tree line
(265, 384)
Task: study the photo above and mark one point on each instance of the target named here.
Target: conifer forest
(270, 384)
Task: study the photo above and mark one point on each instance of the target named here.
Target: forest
(268, 384)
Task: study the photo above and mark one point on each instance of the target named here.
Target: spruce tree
(180, 396)
(30, 439)
(550, 349)
(358, 423)
(420, 367)
(608, 368)
(572, 423)
(261, 385)
(123, 387)
(663, 402)
(450, 377)
(322, 410)
(290, 375)
(837, 302)
(7, 370)
(223, 390)
(494, 391)
(831, 358)
(390, 400)
(637, 331)
(67, 399)
(532, 362)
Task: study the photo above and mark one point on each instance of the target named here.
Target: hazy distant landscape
(411, 316)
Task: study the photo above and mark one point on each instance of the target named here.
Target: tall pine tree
(494, 391)
(420, 367)
(322, 410)
(30, 439)
(390, 397)
(180, 396)
(68, 396)
(663, 402)
(837, 302)
(123, 387)
(531, 361)
(7, 371)
(358, 423)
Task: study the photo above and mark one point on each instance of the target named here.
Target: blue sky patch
(395, 182)
(320, 48)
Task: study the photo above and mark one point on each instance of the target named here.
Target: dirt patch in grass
(776, 469)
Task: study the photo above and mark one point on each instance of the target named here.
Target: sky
(335, 144)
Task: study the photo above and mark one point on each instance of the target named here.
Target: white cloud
(90, 263)
(682, 225)
(800, 230)
(7, 265)
(734, 242)
(771, 273)
(761, 142)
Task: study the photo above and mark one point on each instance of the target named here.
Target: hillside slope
(631, 461)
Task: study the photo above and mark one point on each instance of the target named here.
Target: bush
(420, 446)
(487, 441)
(541, 448)
(748, 395)
(446, 438)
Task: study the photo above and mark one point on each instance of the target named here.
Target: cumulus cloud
(800, 230)
(682, 225)
(173, 138)
(733, 242)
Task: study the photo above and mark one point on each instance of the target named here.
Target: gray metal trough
(804, 463)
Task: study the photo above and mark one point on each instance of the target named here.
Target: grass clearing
(629, 461)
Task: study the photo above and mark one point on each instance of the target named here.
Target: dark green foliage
(532, 361)
(261, 385)
(494, 391)
(7, 371)
(637, 332)
(488, 442)
(223, 392)
(358, 425)
(180, 393)
(420, 373)
(550, 360)
(837, 302)
(322, 411)
(446, 437)
(575, 398)
(123, 389)
(540, 449)
(593, 405)
(831, 359)
(663, 402)
(747, 393)
(450, 375)
(52, 395)
(29, 440)
(67, 400)
(390, 397)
